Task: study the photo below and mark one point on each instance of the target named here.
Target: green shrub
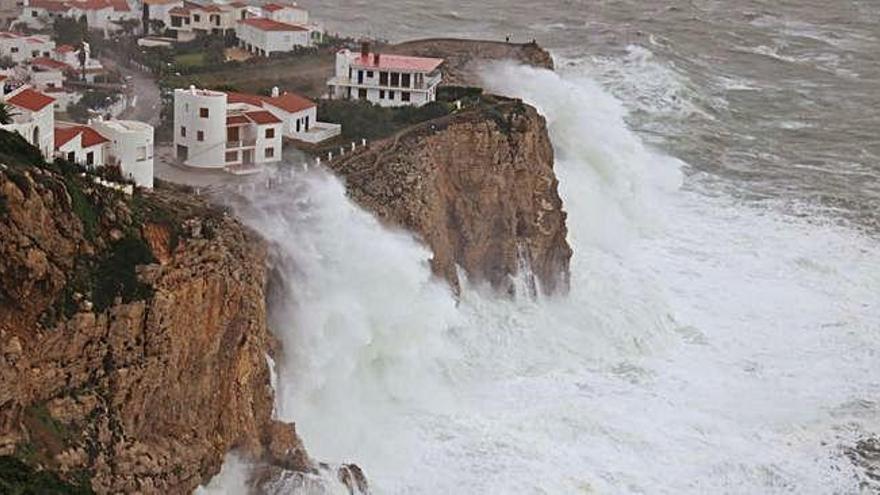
(116, 274)
(18, 478)
(361, 119)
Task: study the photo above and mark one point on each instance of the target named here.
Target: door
(182, 153)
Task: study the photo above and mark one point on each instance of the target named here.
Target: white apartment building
(211, 132)
(21, 48)
(299, 115)
(33, 117)
(130, 147)
(386, 80)
(262, 36)
(81, 144)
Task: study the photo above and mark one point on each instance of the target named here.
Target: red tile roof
(237, 120)
(262, 117)
(64, 49)
(90, 137)
(116, 5)
(50, 5)
(179, 11)
(238, 4)
(264, 24)
(50, 63)
(289, 102)
(398, 62)
(30, 100)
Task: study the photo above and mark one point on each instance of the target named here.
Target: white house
(47, 73)
(386, 80)
(187, 19)
(34, 117)
(70, 56)
(211, 132)
(264, 37)
(130, 148)
(292, 14)
(81, 144)
(100, 14)
(298, 114)
(21, 48)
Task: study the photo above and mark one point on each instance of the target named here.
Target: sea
(720, 165)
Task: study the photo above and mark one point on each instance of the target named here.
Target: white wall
(271, 41)
(81, 154)
(132, 145)
(211, 151)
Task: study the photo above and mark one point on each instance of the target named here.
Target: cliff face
(133, 335)
(477, 186)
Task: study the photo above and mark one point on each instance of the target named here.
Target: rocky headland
(133, 335)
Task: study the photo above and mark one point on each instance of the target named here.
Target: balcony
(237, 145)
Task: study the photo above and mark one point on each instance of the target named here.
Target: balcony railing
(247, 143)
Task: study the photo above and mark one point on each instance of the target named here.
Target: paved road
(147, 103)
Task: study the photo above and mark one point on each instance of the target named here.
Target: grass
(187, 60)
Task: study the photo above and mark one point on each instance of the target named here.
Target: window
(307, 122)
(404, 80)
(270, 133)
(196, 18)
(14, 49)
(298, 124)
(141, 153)
(404, 96)
(369, 73)
(175, 22)
(231, 156)
(90, 158)
(360, 77)
(391, 95)
(362, 94)
(33, 13)
(381, 94)
(71, 157)
(203, 113)
(383, 79)
(269, 152)
(182, 131)
(35, 53)
(200, 135)
(395, 79)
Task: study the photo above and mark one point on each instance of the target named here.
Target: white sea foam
(706, 346)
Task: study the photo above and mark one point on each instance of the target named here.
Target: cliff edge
(133, 336)
(477, 186)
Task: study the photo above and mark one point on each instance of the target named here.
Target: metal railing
(245, 143)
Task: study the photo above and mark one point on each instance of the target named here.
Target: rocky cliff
(477, 186)
(464, 58)
(133, 333)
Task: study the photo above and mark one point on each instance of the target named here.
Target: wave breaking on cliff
(706, 346)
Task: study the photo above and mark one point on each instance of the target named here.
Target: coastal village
(74, 73)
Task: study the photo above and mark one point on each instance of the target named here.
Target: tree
(67, 31)
(157, 26)
(6, 114)
(83, 57)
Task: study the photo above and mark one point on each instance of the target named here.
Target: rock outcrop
(477, 186)
(464, 58)
(133, 334)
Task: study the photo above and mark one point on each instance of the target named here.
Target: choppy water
(723, 329)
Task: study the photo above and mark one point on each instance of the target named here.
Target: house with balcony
(212, 132)
(188, 19)
(298, 114)
(106, 15)
(33, 117)
(383, 79)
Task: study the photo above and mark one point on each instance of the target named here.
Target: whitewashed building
(22, 48)
(188, 19)
(81, 144)
(70, 56)
(105, 15)
(47, 73)
(386, 80)
(264, 37)
(130, 147)
(298, 114)
(210, 132)
(33, 117)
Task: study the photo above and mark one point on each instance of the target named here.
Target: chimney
(376, 59)
(275, 92)
(365, 49)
